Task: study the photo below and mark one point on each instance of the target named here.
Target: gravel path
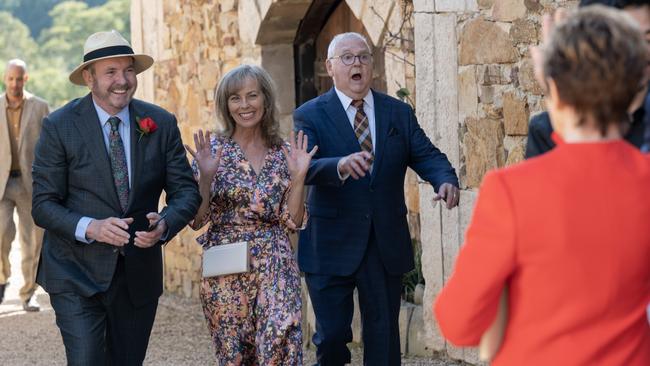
(179, 336)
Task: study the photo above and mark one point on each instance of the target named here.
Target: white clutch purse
(225, 259)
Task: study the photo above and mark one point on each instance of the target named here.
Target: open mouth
(247, 115)
(120, 89)
(356, 76)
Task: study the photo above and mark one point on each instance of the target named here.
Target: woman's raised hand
(207, 162)
(298, 158)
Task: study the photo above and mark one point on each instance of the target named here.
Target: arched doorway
(323, 21)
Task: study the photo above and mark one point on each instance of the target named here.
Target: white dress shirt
(125, 132)
(368, 108)
(351, 111)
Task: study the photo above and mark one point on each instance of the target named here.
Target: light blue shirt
(351, 111)
(125, 132)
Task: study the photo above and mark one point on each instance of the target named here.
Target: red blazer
(569, 233)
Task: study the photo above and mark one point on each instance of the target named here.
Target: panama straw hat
(103, 45)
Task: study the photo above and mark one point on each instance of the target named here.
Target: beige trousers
(31, 236)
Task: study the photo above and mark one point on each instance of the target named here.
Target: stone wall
(497, 90)
(476, 91)
(194, 42)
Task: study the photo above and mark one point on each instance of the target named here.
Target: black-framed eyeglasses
(348, 58)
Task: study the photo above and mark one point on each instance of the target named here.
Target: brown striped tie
(362, 127)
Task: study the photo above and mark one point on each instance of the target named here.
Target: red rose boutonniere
(145, 126)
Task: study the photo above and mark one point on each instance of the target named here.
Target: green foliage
(34, 13)
(403, 93)
(74, 21)
(15, 40)
(60, 46)
(51, 83)
(415, 276)
(405, 96)
(9, 5)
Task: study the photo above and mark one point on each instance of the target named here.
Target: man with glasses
(357, 235)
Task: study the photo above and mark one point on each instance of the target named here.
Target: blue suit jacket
(343, 213)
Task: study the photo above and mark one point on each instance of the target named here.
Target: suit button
(367, 216)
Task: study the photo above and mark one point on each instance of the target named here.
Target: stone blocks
(515, 115)
(508, 10)
(483, 148)
(485, 42)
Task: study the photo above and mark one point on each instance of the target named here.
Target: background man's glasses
(348, 58)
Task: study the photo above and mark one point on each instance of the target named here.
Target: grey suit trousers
(31, 237)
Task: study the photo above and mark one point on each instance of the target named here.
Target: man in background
(20, 125)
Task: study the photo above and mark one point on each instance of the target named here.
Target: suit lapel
(4, 125)
(87, 123)
(25, 119)
(339, 119)
(382, 121)
(138, 146)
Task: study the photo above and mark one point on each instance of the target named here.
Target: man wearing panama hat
(101, 164)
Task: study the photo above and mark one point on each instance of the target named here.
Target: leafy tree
(74, 21)
(34, 13)
(49, 80)
(60, 47)
(15, 40)
(9, 5)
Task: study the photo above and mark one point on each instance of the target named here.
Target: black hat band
(108, 51)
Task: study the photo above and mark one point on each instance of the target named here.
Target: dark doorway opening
(324, 20)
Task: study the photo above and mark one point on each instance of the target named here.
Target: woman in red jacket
(568, 232)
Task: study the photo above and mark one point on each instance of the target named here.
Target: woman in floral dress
(252, 186)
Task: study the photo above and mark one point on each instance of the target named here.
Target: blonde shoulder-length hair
(232, 82)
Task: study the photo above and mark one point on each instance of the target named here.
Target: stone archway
(282, 31)
(271, 26)
(195, 42)
(321, 23)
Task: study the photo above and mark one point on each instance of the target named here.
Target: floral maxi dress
(253, 317)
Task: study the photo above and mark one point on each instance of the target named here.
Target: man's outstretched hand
(448, 193)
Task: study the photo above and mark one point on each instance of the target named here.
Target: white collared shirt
(125, 132)
(351, 111)
(124, 129)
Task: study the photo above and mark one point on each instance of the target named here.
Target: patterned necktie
(362, 127)
(118, 162)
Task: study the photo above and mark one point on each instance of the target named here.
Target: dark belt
(14, 173)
